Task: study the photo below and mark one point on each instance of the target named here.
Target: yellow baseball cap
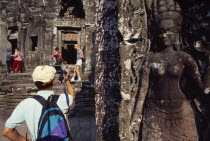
(43, 73)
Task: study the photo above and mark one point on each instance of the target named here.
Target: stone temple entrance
(67, 37)
(69, 53)
(13, 43)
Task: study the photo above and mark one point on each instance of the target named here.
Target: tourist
(58, 56)
(29, 110)
(8, 60)
(80, 55)
(17, 60)
(36, 49)
(37, 57)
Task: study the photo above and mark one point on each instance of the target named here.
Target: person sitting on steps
(80, 55)
(58, 56)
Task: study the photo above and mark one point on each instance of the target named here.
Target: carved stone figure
(166, 111)
(153, 106)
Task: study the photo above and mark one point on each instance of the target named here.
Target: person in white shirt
(80, 56)
(18, 57)
(29, 110)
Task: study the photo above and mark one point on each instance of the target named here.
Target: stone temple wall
(43, 23)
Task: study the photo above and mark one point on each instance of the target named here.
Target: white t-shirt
(29, 111)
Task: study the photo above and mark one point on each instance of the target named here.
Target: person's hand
(67, 71)
(66, 76)
(207, 90)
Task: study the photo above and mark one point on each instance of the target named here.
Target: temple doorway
(12, 38)
(13, 45)
(69, 53)
(67, 37)
(34, 43)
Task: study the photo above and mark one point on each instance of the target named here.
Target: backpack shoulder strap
(40, 99)
(67, 98)
(54, 98)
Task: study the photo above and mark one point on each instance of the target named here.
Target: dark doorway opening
(69, 53)
(14, 44)
(34, 40)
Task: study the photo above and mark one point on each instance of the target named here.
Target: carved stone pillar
(132, 22)
(47, 50)
(3, 41)
(107, 71)
(89, 51)
(22, 39)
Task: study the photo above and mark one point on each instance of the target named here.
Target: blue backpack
(52, 123)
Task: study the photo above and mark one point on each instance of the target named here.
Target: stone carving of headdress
(172, 21)
(167, 16)
(168, 11)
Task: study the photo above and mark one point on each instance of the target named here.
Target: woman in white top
(80, 55)
(17, 60)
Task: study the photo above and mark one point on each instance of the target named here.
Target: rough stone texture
(3, 41)
(132, 22)
(107, 71)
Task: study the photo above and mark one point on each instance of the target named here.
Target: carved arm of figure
(137, 113)
(192, 70)
(203, 46)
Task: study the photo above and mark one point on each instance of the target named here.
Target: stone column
(55, 38)
(22, 35)
(107, 71)
(89, 51)
(48, 47)
(133, 49)
(3, 41)
(59, 39)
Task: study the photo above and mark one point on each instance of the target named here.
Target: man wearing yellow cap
(29, 110)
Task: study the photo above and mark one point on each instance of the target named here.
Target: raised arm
(192, 70)
(69, 87)
(137, 114)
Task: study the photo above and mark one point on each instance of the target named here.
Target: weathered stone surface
(107, 71)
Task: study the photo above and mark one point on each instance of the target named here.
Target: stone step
(3, 70)
(12, 82)
(27, 77)
(79, 84)
(87, 104)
